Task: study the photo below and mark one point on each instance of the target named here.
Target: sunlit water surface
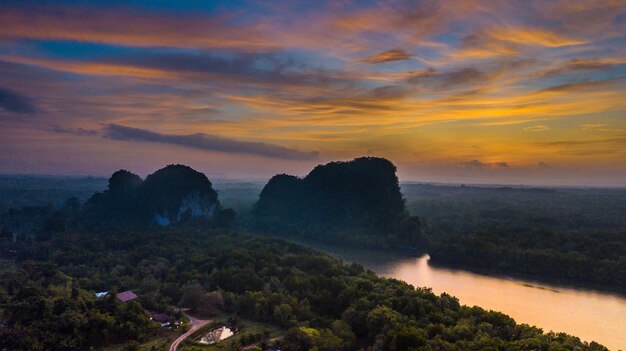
(590, 315)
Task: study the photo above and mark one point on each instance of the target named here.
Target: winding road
(195, 325)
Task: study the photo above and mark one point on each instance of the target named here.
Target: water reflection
(590, 315)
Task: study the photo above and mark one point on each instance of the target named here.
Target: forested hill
(359, 200)
(174, 194)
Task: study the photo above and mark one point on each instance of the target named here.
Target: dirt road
(195, 325)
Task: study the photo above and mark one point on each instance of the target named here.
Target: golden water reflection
(590, 315)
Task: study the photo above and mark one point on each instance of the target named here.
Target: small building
(126, 296)
(162, 318)
(101, 294)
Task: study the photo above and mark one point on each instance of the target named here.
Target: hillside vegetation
(571, 236)
(356, 202)
(47, 303)
(174, 194)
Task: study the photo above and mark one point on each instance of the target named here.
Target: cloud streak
(537, 128)
(74, 131)
(15, 102)
(207, 142)
(388, 56)
(477, 164)
(127, 26)
(584, 65)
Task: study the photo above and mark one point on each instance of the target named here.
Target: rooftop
(126, 296)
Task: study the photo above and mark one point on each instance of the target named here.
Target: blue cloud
(207, 142)
(16, 102)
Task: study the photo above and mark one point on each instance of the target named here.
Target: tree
(196, 298)
(132, 346)
(282, 314)
(72, 204)
(382, 319)
(296, 340)
(225, 218)
(57, 223)
(345, 333)
(5, 233)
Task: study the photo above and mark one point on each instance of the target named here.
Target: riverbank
(534, 279)
(589, 314)
(390, 256)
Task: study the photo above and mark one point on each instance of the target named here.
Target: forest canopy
(47, 301)
(54, 258)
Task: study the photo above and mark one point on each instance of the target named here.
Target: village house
(126, 296)
(162, 318)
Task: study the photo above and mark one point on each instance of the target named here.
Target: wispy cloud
(207, 142)
(15, 102)
(477, 164)
(531, 36)
(459, 78)
(126, 26)
(502, 164)
(592, 125)
(544, 166)
(584, 85)
(74, 131)
(537, 128)
(388, 56)
(618, 140)
(584, 65)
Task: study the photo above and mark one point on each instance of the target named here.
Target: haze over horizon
(217, 178)
(453, 92)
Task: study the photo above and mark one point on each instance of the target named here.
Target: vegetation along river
(590, 315)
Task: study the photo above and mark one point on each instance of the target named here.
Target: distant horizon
(402, 181)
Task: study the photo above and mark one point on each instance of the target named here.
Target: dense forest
(55, 256)
(17, 191)
(47, 302)
(559, 235)
(571, 236)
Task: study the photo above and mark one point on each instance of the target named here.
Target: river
(590, 315)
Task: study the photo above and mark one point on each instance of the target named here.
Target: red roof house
(162, 318)
(126, 296)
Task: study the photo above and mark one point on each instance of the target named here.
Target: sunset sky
(519, 92)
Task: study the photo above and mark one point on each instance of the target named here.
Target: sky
(465, 91)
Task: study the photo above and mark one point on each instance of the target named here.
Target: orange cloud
(537, 128)
(388, 56)
(531, 36)
(125, 26)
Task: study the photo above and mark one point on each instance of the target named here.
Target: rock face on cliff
(172, 195)
(178, 192)
(356, 198)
